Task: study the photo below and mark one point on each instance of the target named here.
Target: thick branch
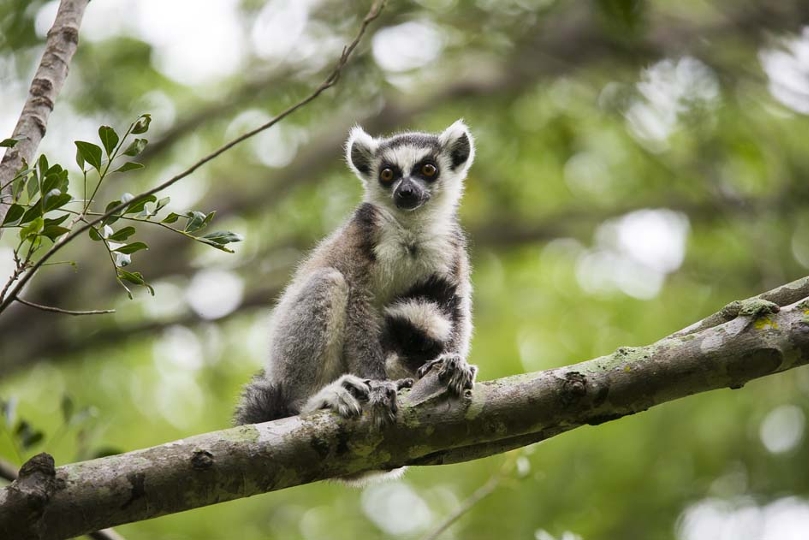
(63, 38)
(430, 429)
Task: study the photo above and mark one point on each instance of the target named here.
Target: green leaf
(67, 408)
(42, 164)
(129, 166)
(196, 221)
(80, 159)
(55, 179)
(95, 235)
(131, 248)
(121, 235)
(141, 125)
(139, 205)
(32, 229)
(171, 218)
(161, 203)
(223, 237)
(108, 138)
(54, 231)
(55, 199)
(19, 182)
(133, 277)
(56, 221)
(113, 217)
(217, 245)
(8, 143)
(15, 212)
(90, 153)
(33, 212)
(33, 186)
(208, 217)
(135, 147)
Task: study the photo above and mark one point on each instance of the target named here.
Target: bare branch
(430, 429)
(63, 38)
(52, 309)
(780, 296)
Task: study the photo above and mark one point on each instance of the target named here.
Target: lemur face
(406, 171)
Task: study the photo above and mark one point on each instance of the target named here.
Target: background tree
(640, 165)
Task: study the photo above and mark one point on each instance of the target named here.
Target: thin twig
(331, 80)
(64, 311)
(481, 493)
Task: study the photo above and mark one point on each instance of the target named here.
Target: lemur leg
(453, 371)
(307, 338)
(356, 376)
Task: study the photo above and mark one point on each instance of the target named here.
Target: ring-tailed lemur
(386, 297)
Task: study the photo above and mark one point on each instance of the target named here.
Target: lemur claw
(454, 371)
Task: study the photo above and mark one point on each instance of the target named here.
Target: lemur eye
(428, 170)
(386, 175)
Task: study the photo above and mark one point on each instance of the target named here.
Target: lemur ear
(360, 149)
(457, 140)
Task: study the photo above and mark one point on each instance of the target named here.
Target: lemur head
(405, 171)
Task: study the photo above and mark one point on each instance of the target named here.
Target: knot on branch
(574, 388)
(757, 307)
(68, 34)
(29, 494)
(202, 460)
(39, 464)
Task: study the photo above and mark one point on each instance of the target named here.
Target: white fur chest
(405, 257)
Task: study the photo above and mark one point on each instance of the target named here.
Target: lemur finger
(425, 369)
(359, 388)
(382, 402)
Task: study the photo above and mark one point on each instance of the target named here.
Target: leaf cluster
(44, 209)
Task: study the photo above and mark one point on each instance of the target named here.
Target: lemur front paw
(382, 400)
(346, 395)
(343, 396)
(453, 371)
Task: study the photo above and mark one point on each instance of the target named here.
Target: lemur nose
(407, 191)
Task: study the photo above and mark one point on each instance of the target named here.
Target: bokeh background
(639, 165)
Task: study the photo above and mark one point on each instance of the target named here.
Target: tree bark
(63, 38)
(430, 429)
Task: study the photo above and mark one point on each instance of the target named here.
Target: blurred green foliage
(639, 165)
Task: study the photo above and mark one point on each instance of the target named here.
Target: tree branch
(9, 472)
(430, 429)
(63, 38)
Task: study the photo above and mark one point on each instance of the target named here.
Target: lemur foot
(346, 395)
(454, 371)
(343, 396)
